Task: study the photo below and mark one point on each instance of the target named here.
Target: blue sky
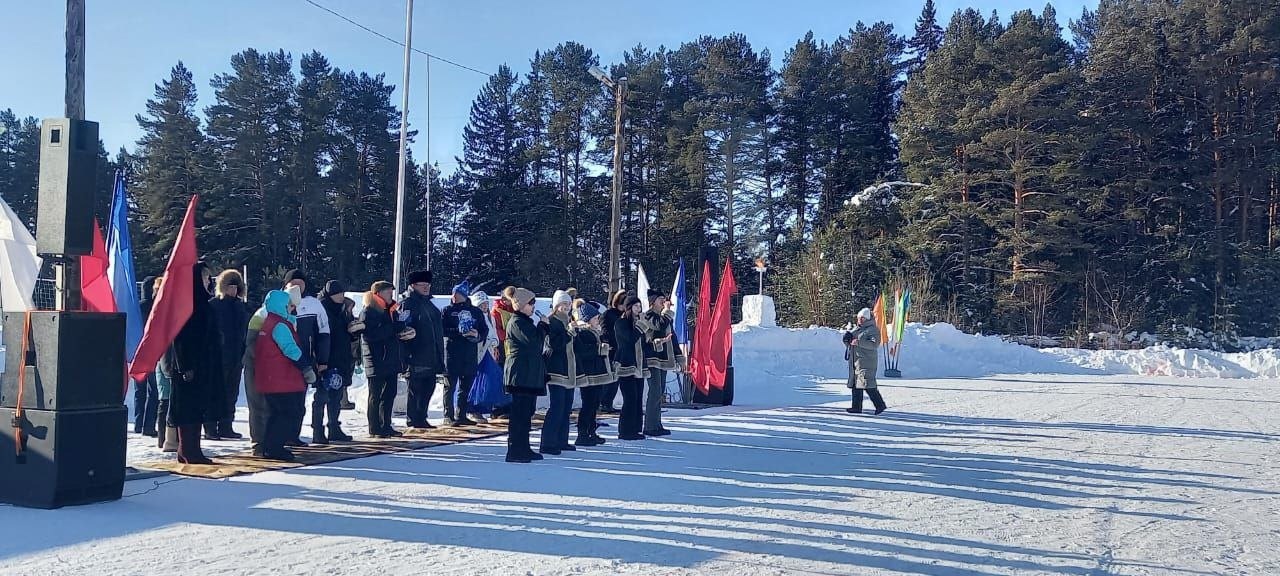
(132, 44)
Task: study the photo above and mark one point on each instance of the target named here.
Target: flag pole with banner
(124, 283)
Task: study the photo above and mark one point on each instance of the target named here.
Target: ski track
(1071, 475)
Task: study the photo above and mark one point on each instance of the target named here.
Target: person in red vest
(281, 373)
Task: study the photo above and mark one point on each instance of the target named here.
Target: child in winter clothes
(281, 375)
(593, 369)
(628, 334)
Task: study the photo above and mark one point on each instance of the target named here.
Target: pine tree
(803, 100)
(20, 165)
(928, 37)
(317, 106)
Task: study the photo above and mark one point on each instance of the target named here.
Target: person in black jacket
(562, 376)
(198, 386)
(525, 375)
(594, 370)
(464, 327)
(616, 306)
(425, 351)
(327, 400)
(630, 367)
(382, 329)
(233, 321)
(146, 396)
(660, 358)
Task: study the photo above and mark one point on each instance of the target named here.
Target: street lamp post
(619, 89)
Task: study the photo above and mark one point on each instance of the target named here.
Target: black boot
(211, 431)
(337, 435)
(189, 445)
(318, 438)
(227, 432)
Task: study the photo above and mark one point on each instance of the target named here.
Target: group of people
(496, 358)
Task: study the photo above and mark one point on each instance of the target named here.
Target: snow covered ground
(1072, 471)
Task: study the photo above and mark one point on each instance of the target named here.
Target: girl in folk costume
(660, 358)
(628, 362)
(487, 394)
(525, 374)
(562, 376)
(594, 370)
(279, 366)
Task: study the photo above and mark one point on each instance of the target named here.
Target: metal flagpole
(404, 142)
(430, 170)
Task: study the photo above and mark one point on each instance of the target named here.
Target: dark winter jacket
(461, 353)
(380, 346)
(562, 364)
(233, 323)
(628, 358)
(426, 350)
(339, 316)
(593, 363)
(607, 320)
(148, 297)
(196, 364)
(525, 372)
(661, 356)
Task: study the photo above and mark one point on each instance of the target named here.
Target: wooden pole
(67, 272)
(615, 219)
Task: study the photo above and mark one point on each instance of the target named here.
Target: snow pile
(943, 351)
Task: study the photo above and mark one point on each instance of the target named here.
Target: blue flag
(680, 303)
(124, 285)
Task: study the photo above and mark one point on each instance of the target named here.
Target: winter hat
(229, 278)
(631, 301)
(463, 289)
(478, 298)
(295, 274)
(864, 313)
(333, 287)
(520, 297)
(655, 294)
(295, 295)
(586, 312)
(420, 276)
(561, 297)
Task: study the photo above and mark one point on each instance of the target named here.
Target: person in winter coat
(279, 368)
(616, 307)
(863, 343)
(660, 358)
(562, 377)
(502, 313)
(629, 363)
(257, 402)
(383, 328)
(594, 370)
(327, 401)
(233, 321)
(487, 393)
(146, 397)
(313, 337)
(525, 374)
(198, 387)
(425, 351)
(464, 328)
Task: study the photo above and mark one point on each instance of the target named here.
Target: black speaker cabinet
(68, 177)
(75, 361)
(67, 457)
(717, 396)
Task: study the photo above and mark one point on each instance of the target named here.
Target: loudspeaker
(66, 458)
(68, 178)
(75, 361)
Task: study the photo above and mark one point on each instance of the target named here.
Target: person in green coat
(525, 374)
(862, 345)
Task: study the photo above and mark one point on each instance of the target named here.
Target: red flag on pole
(722, 329)
(698, 359)
(173, 302)
(95, 286)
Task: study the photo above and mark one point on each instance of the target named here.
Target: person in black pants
(465, 328)
(425, 350)
(525, 375)
(629, 361)
(617, 304)
(233, 322)
(382, 328)
(327, 402)
(146, 395)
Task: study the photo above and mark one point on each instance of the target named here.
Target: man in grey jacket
(862, 345)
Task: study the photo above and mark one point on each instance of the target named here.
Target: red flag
(722, 329)
(95, 287)
(702, 333)
(173, 302)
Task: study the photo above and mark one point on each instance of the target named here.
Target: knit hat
(478, 298)
(295, 295)
(864, 313)
(586, 312)
(631, 301)
(463, 289)
(295, 274)
(332, 287)
(520, 297)
(561, 297)
(420, 276)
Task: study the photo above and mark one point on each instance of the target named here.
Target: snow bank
(943, 351)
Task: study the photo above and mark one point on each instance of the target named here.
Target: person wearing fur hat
(425, 353)
(660, 358)
(525, 374)
(617, 305)
(487, 394)
(862, 346)
(562, 376)
(464, 328)
(233, 319)
(628, 362)
(594, 370)
(313, 334)
(385, 328)
(327, 401)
